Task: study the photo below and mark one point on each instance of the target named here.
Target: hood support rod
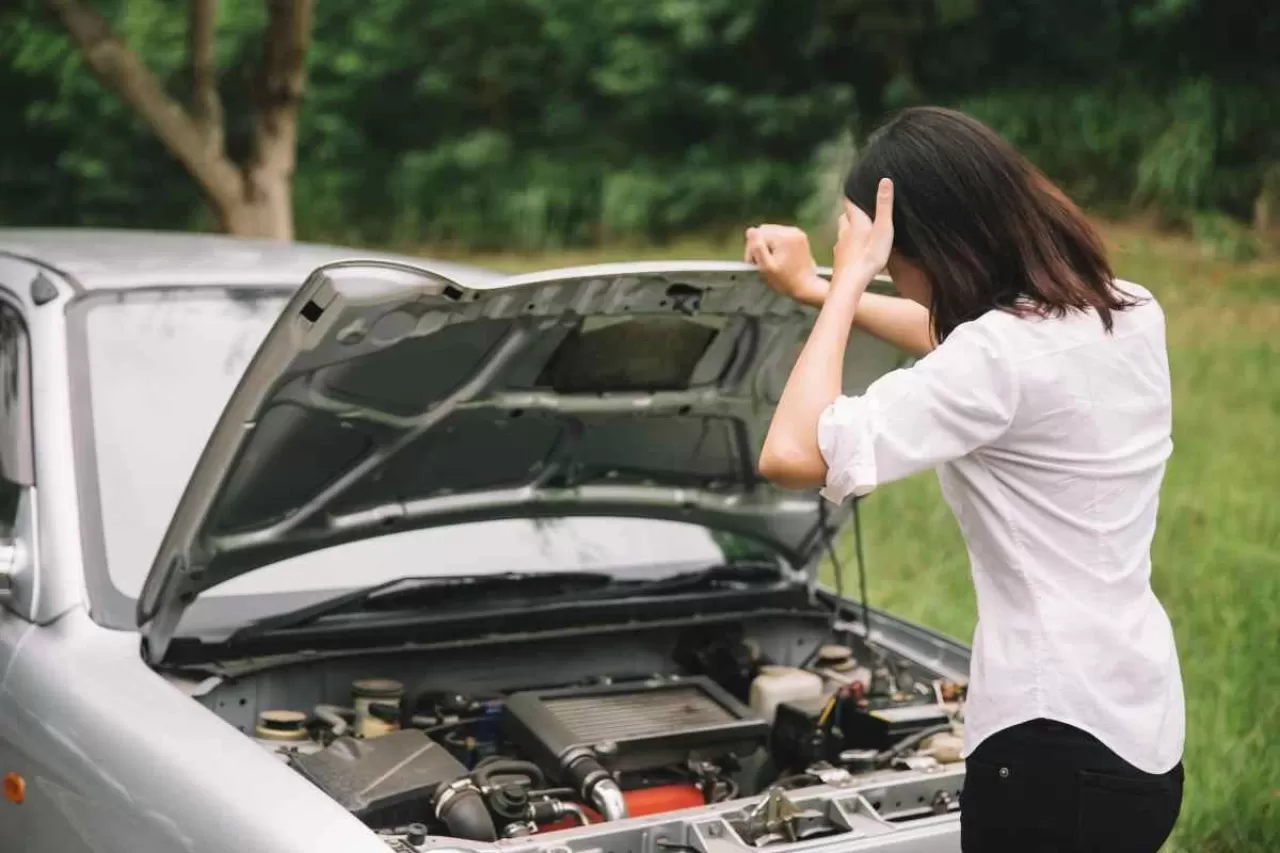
(828, 536)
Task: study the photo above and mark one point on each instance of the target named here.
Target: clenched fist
(786, 263)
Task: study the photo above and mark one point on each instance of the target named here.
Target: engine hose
(546, 811)
(487, 769)
(910, 742)
(574, 810)
(552, 793)
(596, 784)
(387, 712)
(424, 699)
(461, 808)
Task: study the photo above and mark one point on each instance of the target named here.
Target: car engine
(725, 723)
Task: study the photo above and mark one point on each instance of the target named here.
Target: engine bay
(760, 734)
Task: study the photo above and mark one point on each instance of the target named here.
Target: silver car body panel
(421, 401)
(116, 758)
(52, 581)
(127, 260)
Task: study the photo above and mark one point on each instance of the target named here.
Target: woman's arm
(791, 456)
(897, 321)
(961, 397)
(894, 320)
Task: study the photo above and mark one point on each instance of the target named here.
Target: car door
(19, 582)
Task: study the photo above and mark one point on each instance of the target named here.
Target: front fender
(116, 760)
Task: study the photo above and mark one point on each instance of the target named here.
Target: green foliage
(1088, 138)
(545, 123)
(1177, 168)
(69, 154)
(1220, 237)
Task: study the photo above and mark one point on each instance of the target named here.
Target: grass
(1217, 548)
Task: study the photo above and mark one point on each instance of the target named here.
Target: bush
(541, 123)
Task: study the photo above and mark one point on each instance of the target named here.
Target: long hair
(988, 229)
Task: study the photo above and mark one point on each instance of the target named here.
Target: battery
(881, 728)
(797, 739)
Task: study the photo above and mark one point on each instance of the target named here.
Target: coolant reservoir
(777, 684)
(838, 668)
(367, 691)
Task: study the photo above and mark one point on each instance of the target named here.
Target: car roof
(116, 258)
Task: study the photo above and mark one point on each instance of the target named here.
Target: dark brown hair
(987, 227)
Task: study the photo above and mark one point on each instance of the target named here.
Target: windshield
(156, 367)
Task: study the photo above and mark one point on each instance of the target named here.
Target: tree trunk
(265, 212)
(253, 200)
(1266, 207)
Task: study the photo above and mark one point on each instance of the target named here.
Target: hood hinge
(157, 631)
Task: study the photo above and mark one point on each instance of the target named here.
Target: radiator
(634, 726)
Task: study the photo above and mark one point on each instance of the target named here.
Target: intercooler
(634, 726)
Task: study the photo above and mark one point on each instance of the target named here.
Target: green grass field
(1217, 550)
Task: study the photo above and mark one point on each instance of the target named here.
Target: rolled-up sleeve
(961, 396)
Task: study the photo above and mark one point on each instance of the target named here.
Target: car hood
(388, 397)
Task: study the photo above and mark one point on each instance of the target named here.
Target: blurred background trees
(543, 123)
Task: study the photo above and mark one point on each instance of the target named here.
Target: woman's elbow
(791, 467)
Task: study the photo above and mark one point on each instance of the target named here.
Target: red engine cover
(643, 801)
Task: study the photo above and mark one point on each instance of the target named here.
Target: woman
(1042, 399)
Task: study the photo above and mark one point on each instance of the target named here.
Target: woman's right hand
(786, 263)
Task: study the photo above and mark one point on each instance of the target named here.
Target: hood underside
(388, 397)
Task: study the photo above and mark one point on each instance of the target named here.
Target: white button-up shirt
(1050, 438)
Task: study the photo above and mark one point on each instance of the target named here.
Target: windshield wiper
(358, 599)
(599, 586)
(728, 574)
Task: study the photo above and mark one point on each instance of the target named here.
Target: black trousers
(1046, 787)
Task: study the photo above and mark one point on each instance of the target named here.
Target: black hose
(462, 810)
(424, 700)
(487, 769)
(492, 759)
(387, 712)
(596, 784)
(553, 793)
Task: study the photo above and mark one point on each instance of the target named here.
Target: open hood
(388, 397)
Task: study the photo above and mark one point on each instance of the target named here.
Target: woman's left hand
(863, 246)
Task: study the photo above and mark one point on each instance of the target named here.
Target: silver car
(309, 549)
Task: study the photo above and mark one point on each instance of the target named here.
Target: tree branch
(206, 106)
(281, 82)
(118, 68)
